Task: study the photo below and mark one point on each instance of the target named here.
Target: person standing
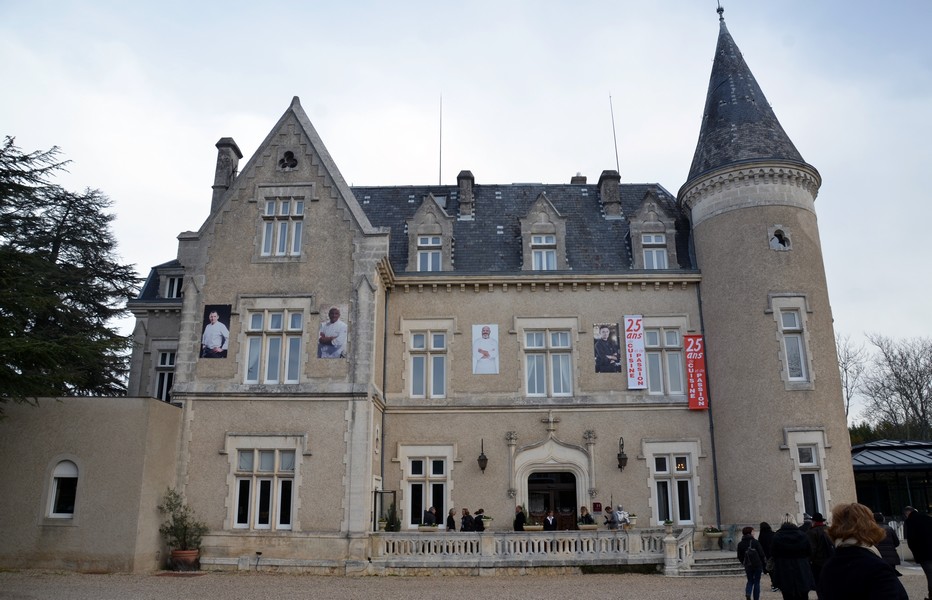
(451, 520)
(332, 340)
(477, 522)
(887, 546)
(216, 338)
(550, 522)
(485, 353)
(856, 571)
(607, 352)
(751, 555)
(792, 574)
(430, 516)
(765, 537)
(611, 519)
(917, 529)
(520, 519)
(466, 521)
(585, 518)
(822, 547)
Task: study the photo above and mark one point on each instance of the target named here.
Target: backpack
(752, 559)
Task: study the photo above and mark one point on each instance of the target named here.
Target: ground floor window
(64, 490)
(673, 481)
(426, 482)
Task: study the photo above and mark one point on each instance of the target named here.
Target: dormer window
(544, 252)
(429, 253)
(655, 250)
(173, 287)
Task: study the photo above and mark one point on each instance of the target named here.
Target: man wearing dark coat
(917, 528)
(520, 519)
(822, 547)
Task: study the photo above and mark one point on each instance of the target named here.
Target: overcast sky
(137, 94)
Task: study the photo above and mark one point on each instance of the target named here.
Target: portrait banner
(334, 333)
(485, 349)
(605, 347)
(634, 352)
(215, 337)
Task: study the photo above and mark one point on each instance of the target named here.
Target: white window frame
(275, 344)
(429, 372)
(790, 316)
(429, 253)
(674, 489)
(654, 250)
(550, 343)
(424, 483)
(174, 286)
(544, 252)
(164, 374)
(283, 505)
(665, 365)
(65, 479)
(282, 226)
(807, 453)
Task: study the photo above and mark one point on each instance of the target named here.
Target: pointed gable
(543, 231)
(430, 238)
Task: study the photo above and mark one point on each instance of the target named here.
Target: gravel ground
(22, 585)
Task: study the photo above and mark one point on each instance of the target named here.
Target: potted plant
(531, 523)
(668, 526)
(182, 531)
(383, 523)
(393, 523)
(633, 519)
(713, 532)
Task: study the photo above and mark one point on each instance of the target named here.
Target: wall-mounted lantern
(483, 460)
(622, 457)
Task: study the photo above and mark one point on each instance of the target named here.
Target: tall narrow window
(427, 484)
(165, 376)
(282, 226)
(544, 252)
(64, 490)
(273, 346)
(664, 360)
(673, 480)
(548, 363)
(809, 478)
(428, 353)
(429, 253)
(793, 345)
(655, 250)
(264, 489)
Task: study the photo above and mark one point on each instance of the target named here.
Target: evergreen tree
(61, 285)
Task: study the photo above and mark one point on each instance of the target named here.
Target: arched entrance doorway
(554, 491)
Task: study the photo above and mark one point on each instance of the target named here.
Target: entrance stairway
(714, 563)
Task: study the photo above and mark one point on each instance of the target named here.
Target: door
(553, 491)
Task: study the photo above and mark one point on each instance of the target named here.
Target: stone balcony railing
(506, 551)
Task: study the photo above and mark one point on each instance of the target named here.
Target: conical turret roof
(738, 124)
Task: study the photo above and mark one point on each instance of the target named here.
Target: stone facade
(371, 343)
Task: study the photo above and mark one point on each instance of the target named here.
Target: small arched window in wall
(64, 490)
(779, 238)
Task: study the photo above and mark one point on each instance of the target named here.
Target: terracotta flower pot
(185, 560)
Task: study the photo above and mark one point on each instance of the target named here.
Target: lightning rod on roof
(440, 151)
(614, 136)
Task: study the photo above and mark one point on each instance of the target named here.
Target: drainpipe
(708, 385)
(384, 383)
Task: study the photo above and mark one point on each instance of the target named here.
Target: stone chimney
(578, 179)
(228, 155)
(464, 182)
(610, 194)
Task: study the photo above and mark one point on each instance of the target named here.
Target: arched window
(64, 490)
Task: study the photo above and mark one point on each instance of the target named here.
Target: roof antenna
(614, 136)
(440, 161)
(720, 11)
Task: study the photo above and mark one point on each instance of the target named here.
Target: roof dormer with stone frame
(543, 237)
(430, 238)
(653, 235)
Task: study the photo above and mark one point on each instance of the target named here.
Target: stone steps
(719, 564)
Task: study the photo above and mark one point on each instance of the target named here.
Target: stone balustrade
(409, 552)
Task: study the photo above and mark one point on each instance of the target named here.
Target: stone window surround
(792, 300)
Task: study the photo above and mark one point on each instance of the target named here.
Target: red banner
(634, 352)
(698, 389)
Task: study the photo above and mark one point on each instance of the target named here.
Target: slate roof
(491, 242)
(892, 455)
(738, 123)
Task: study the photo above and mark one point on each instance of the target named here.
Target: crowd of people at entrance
(853, 558)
